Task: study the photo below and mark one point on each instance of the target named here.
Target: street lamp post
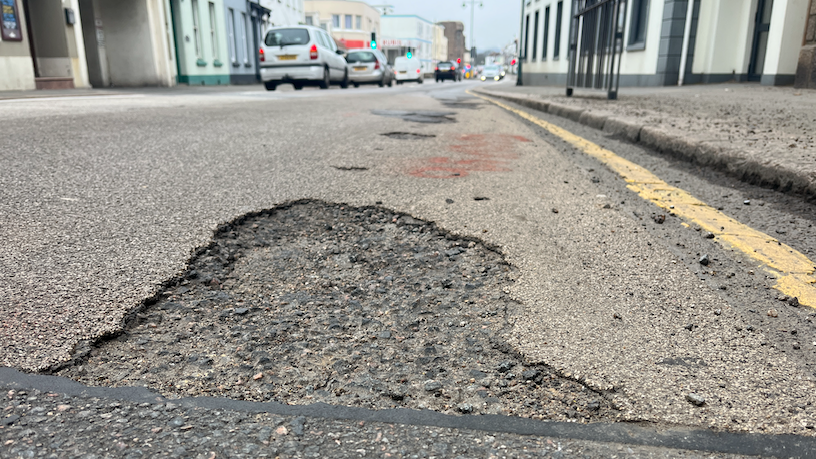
(472, 8)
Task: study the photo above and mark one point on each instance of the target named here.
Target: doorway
(762, 24)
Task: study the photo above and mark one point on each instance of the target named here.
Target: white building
(284, 12)
(740, 40)
(403, 33)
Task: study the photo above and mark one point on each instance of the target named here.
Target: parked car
(369, 66)
(406, 69)
(302, 56)
(447, 71)
(492, 72)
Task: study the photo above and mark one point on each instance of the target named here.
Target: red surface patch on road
(474, 153)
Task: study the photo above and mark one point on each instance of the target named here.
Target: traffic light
(459, 61)
(373, 40)
(513, 62)
(409, 55)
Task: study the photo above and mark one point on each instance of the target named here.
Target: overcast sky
(495, 24)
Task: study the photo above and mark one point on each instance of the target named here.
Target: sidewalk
(762, 135)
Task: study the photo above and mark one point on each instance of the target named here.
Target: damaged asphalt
(94, 225)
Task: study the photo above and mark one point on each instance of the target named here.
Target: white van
(406, 69)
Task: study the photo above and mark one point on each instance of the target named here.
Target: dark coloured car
(447, 71)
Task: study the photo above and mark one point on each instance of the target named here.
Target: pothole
(316, 302)
(350, 168)
(418, 116)
(407, 135)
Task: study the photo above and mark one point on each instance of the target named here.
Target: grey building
(455, 33)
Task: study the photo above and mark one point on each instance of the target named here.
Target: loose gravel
(316, 302)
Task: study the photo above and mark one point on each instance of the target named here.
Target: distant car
(406, 69)
(369, 66)
(302, 56)
(492, 72)
(447, 71)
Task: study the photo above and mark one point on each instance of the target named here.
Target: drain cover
(316, 302)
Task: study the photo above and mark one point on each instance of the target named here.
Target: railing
(596, 44)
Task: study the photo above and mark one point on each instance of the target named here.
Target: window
(637, 25)
(358, 22)
(336, 21)
(281, 37)
(232, 38)
(559, 11)
(197, 30)
(213, 35)
(535, 37)
(546, 33)
(309, 20)
(526, 36)
(245, 38)
(348, 22)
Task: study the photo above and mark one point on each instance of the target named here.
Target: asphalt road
(103, 198)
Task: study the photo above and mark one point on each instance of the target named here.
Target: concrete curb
(693, 439)
(709, 153)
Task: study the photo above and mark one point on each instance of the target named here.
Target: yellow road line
(794, 272)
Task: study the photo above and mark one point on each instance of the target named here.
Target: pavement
(103, 200)
(759, 134)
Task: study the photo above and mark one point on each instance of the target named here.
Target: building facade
(41, 45)
(806, 67)
(201, 42)
(49, 44)
(350, 23)
(284, 12)
(440, 44)
(402, 34)
(455, 33)
(730, 40)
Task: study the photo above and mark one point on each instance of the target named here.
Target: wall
(241, 57)
(210, 67)
(788, 20)
(285, 12)
(806, 67)
(49, 38)
(16, 67)
(724, 38)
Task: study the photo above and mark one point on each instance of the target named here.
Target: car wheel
(326, 81)
(390, 82)
(420, 81)
(270, 85)
(345, 83)
(298, 87)
(381, 83)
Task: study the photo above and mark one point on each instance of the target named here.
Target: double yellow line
(793, 271)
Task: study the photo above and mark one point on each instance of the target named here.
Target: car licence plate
(287, 57)
(359, 69)
(403, 71)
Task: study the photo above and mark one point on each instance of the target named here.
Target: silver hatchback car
(369, 66)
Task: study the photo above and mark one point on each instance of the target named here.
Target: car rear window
(361, 56)
(445, 64)
(283, 37)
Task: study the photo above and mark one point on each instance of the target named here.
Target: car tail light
(377, 65)
(453, 68)
(313, 52)
(261, 56)
(417, 70)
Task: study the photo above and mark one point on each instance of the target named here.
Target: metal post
(521, 43)
(686, 36)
